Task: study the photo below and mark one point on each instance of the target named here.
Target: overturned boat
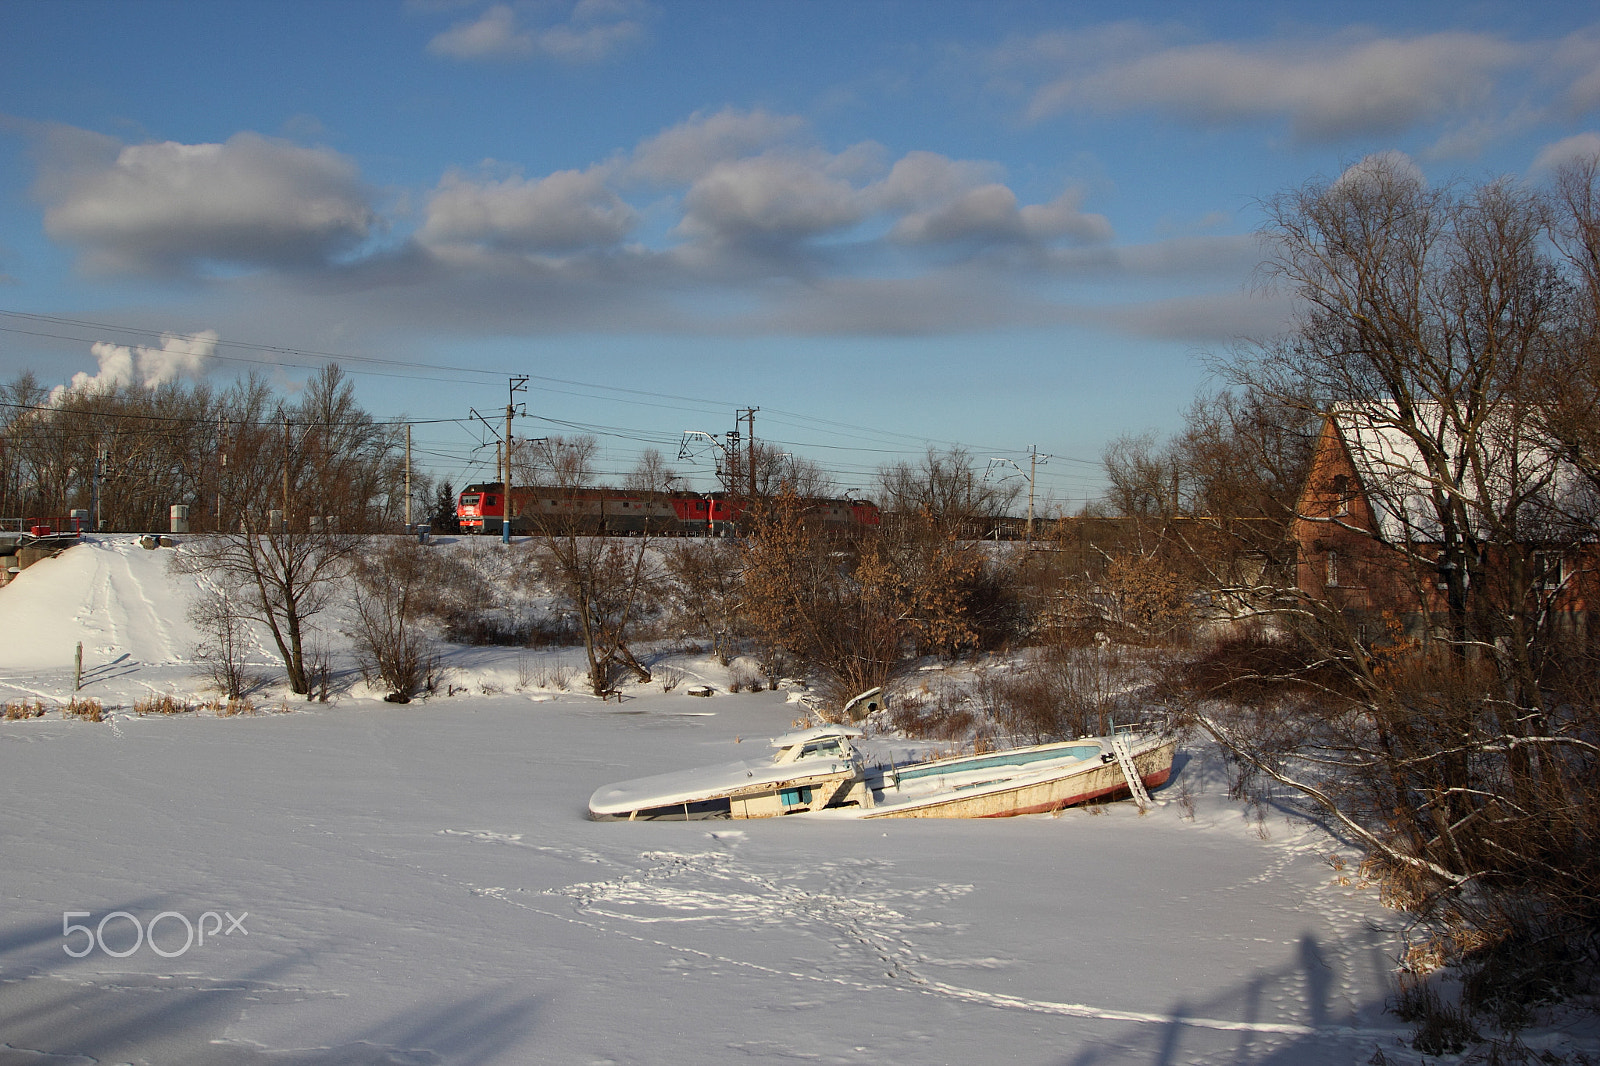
(820, 771)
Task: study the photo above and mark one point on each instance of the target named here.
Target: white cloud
(564, 212)
(1214, 318)
(923, 180)
(684, 152)
(1062, 217)
(597, 30)
(492, 35)
(170, 207)
(768, 197)
(180, 355)
(1381, 168)
(1579, 54)
(1326, 90)
(989, 214)
(594, 31)
(1578, 146)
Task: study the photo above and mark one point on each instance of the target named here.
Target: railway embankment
(18, 551)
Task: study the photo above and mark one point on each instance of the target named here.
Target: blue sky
(884, 224)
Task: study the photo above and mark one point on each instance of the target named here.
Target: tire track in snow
(97, 616)
(148, 618)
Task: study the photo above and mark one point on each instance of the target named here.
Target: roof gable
(1505, 472)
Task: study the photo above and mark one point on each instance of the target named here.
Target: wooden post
(77, 671)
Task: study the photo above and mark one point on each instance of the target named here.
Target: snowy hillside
(419, 884)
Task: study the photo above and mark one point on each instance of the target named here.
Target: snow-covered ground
(418, 884)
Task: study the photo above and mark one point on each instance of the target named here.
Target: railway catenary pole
(748, 414)
(516, 385)
(1035, 462)
(1033, 470)
(285, 528)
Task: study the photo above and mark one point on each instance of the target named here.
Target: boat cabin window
(822, 749)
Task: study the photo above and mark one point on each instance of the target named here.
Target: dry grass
(163, 704)
(15, 710)
(558, 676)
(942, 714)
(90, 710)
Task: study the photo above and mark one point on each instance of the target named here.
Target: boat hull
(818, 774)
(1085, 785)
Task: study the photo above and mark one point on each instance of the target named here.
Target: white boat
(820, 771)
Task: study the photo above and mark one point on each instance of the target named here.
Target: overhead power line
(894, 442)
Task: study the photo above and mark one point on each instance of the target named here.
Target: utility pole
(517, 384)
(285, 528)
(1035, 461)
(1033, 470)
(94, 489)
(748, 415)
(408, 477)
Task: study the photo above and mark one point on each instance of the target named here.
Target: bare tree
(1570, 378)
(947, 489)
(606, 583)
(1454, 734)
(281, 578)
(393, 590)
(821, 601)
(650, 476)
(219, 614)
(709, 574)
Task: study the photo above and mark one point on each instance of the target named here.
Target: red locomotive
(615, 512)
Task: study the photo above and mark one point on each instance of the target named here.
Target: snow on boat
(814, 769)
(820, 771)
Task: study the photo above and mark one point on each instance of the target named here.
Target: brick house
(1368, 539)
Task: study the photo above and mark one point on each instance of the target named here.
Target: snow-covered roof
(1505, 470)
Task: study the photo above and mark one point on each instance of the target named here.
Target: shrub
(943, 715)
(20, 709)
(88, 709)
(163, 704)
(221, 616)
(1439, 1029)
(391, 645)
(558, 676)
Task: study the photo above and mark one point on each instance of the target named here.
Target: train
(617, 512)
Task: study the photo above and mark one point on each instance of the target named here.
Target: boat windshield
(825, 748)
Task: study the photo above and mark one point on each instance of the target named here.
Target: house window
(1547, 570)
(1333, 569)
(1341, 495)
